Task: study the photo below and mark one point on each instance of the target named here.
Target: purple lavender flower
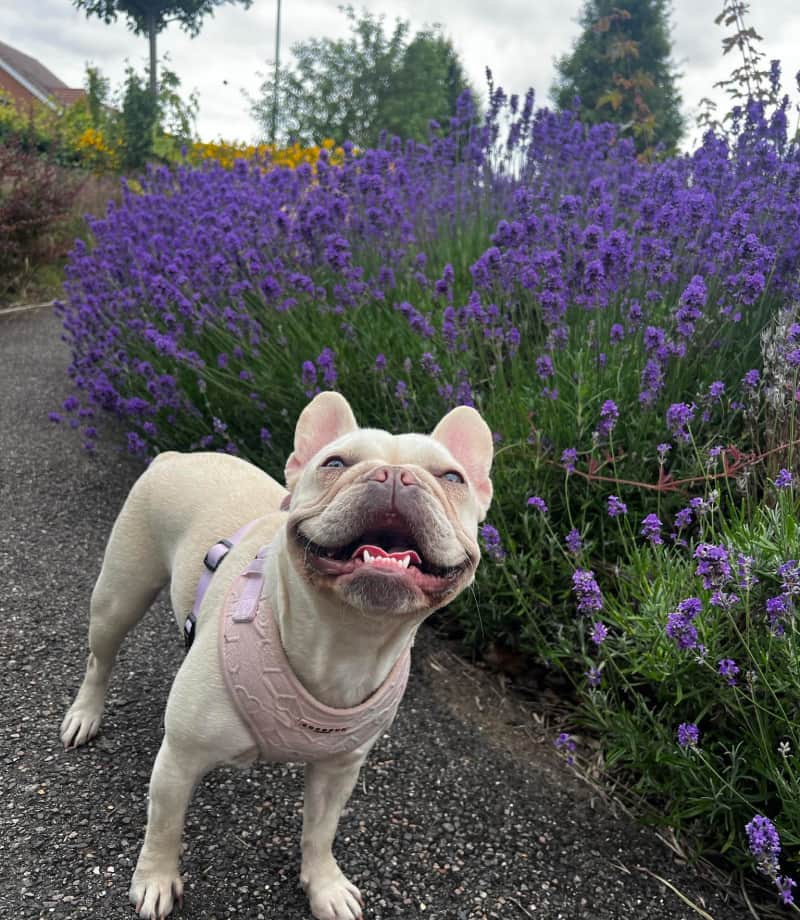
(566, 744)
(573, 541)
(789, 573)
(538, 503)
(692, 302)
(492, 543)
(308, 377)
(609, 413)
(594, 676)
(544, 367)
(728, 669)
(745, 576)
(429, 365)
(713, 566)
(683, 518)
(679, 417)
(663, 450)
(784, 885)
(702, 506)
(723, 599)
(400, 392)
(587, 592)
(135, 443)
(716, 389)
(616, 506)
(784, 479)
(569, 457)
(688, 735)
(599, 633)
(651, 529)
(777, 608)
(326, 362)
(765, 844)
(751, 379)
(652, 382)
(680, 623)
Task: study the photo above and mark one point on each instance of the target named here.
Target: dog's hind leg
(133, 572)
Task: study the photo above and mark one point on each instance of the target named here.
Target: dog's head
(387, 523)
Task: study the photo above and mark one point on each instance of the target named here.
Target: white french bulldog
(330, 583)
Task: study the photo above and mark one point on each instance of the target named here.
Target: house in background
(27, 81)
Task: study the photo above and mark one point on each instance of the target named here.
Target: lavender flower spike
(492, 543)
(609, 413)
(765, 847)
(765, 844)
(688, 734)
(538, 503)
(599, 633)
(587, 592)
(651, 529)
(616, 506)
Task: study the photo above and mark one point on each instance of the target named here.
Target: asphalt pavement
(443, 823)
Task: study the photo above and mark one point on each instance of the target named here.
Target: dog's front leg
(328, 785)
(156, 883)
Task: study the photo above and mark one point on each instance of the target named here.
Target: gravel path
(443, 824)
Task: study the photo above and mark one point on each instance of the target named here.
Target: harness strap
(247, 604)
(211, 563)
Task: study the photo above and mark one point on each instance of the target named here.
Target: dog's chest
(286, 721)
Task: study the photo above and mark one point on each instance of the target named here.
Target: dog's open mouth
(389, 548)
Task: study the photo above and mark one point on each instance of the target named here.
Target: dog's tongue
(374, 551)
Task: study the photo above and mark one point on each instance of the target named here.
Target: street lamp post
(274, 122)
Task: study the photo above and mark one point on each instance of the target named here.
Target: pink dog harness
(287, 722)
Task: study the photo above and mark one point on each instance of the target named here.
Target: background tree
(149, 17)
(621, 70)
(425, 87)
(750, 79)
(151, 127)
(355, 87)
(97, 89)
(138, 122)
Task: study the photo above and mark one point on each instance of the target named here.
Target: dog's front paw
(334, 897)
(154, 894)
(81, 723)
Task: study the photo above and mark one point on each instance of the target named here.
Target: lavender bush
(626, 328)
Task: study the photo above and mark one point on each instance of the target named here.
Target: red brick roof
(68, 96)
(43, 82)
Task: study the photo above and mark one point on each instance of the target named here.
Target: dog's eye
(453, 476)
(334, 463)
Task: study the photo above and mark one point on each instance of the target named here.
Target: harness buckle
(212, 560)
(188, 632)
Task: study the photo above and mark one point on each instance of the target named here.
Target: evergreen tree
(620, 68)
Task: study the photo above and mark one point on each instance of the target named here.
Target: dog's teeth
(402, 561)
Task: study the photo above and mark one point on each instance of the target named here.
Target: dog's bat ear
(468, 438)
(327, 417)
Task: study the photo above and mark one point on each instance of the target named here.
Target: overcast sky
(518, 39)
